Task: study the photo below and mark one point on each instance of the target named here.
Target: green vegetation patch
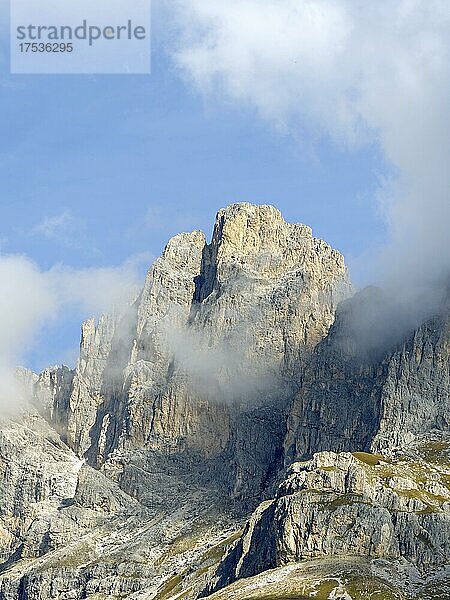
(170, 587)
(371, 588)
(358, 587)
(437, 452)
(319, 591)
(369, 459)
(217, 552)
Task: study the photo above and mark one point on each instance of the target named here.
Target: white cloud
(26, 299)
(25, 302)
(30, 298)
(353, 71)
(222, 370)
(97, 289)
(54, 227)
(66, 230)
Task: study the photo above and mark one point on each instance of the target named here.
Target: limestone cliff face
(38, 472)
(68, 532)
(415, 395)
(219, 330)
(369, 387)
(52, 390)
(86, 393)
(357, 505)
(272, 279)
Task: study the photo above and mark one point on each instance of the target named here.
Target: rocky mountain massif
(247, 428)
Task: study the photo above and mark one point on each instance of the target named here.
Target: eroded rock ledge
(349, 505)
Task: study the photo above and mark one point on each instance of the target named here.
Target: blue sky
(98, 169)
(107, 151)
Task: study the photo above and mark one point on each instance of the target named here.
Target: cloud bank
(31, 298)
(25, 300)
(355, 72)
(223, 371)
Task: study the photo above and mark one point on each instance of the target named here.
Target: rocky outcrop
(415, 395)
(69, 532)
(338, 579)
(91, 371)
(374, 383)
(343, 505)
(38, 473)
(51, 391)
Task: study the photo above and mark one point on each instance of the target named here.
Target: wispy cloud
(66, 230)
(63, 229)
(30, 298)
(56, 227)
(97, 289)
(25, 302)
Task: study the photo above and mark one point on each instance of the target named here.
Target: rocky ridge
(368, 387)
(359, 505)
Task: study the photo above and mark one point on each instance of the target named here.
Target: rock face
(415, 397)
(217, 335)
(86, 393)
(368, 387)
(336, 578)
(132, 476)
(38, 474)
(52, 389)
(349, 505)
(69, 532)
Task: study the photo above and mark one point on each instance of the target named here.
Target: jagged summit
(264, 224)
(255, 242)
